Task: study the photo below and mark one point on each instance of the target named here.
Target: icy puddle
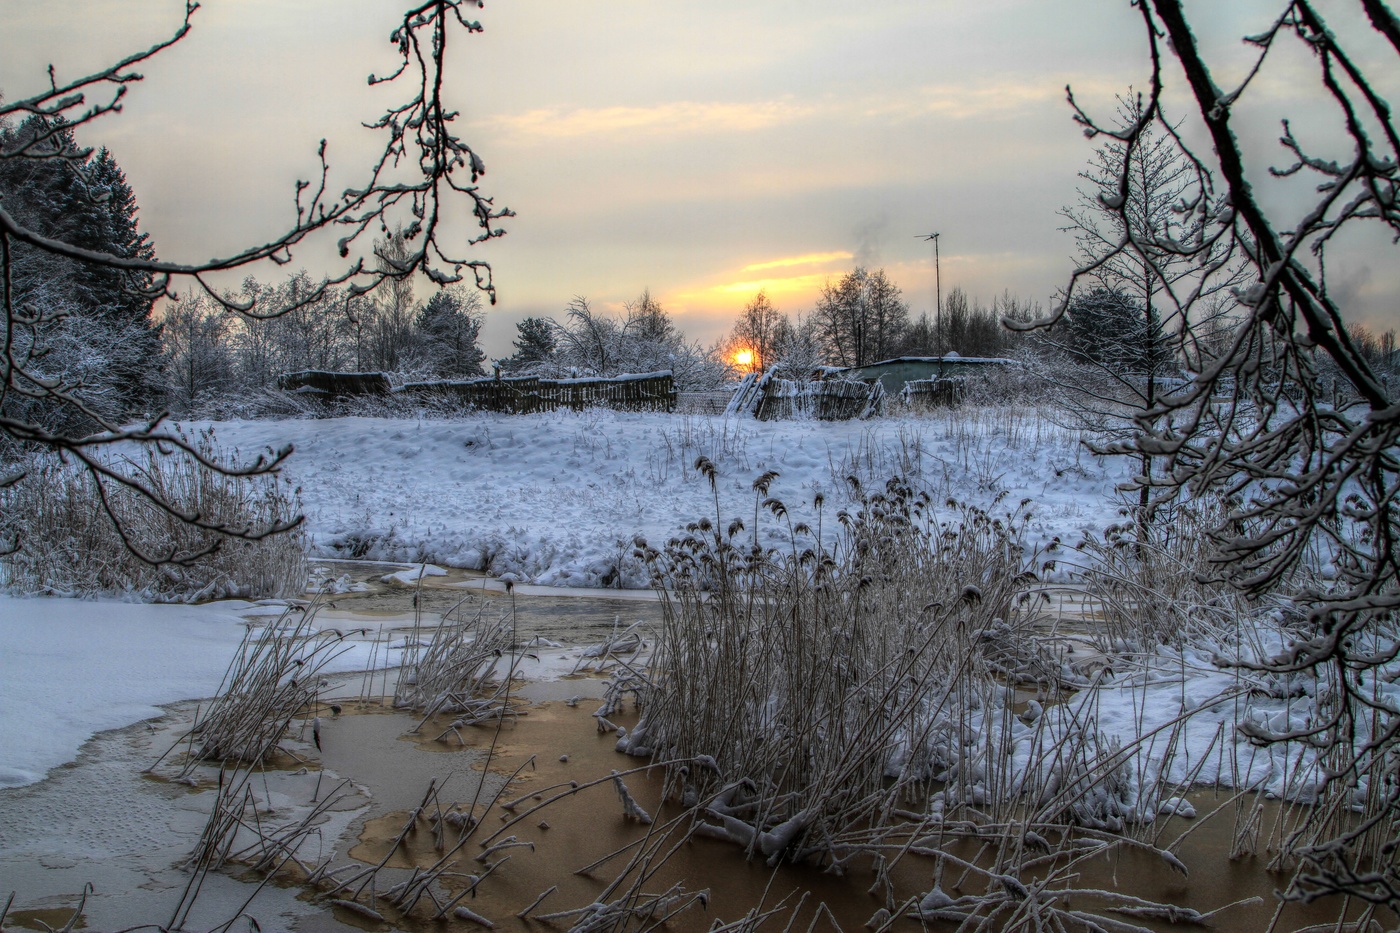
(102, 822)
(384, 593)
(99, 821)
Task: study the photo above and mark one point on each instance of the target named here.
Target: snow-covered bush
(128, 528)
(643, 340)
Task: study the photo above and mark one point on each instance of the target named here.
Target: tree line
(99, 332)
(113, 347)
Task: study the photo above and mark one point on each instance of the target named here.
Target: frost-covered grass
(127, 535)
(556, 498)
(907, 688)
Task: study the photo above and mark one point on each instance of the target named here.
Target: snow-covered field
(556, 499)
(69, 669)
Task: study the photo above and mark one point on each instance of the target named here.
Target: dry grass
(449, 673)
(274, 678)
(69, 546)
(854, 706)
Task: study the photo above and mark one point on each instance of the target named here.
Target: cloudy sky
(702, 151)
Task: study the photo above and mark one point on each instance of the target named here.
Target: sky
(699, 151)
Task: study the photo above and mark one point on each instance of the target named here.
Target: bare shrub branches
(200, 533)
(1311, 485)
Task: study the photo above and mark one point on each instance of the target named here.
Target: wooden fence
(829, 400)
(514, 395)
(335, 385)
(926, 394)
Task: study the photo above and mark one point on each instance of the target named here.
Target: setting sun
(743, 358)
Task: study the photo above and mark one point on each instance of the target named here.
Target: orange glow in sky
(743, 358)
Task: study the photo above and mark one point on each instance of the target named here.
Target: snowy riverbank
(556, 499)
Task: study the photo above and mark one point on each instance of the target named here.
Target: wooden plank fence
(510, 394)
(926, 394)
(827, 400)
(335, 385)
(646, 392)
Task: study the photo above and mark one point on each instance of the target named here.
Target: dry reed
(69, 546)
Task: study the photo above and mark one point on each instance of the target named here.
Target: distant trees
(861, 318)
(644, 339)
(218, 364)
(967, 327)
(199, 365)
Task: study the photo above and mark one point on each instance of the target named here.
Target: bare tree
(584, 342)
(861, 318)
(422, 167)
(198, 365)
(644, 340)
(757, 331)
(390, 328)
(1120, 347)
(1255, 423)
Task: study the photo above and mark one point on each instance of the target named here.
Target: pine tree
(85, 324)
(535, 343)
(449, 326)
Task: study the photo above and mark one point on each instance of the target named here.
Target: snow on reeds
(905, 692)
(68, 544)
(450, 671)
(829, 687)
(274, 678)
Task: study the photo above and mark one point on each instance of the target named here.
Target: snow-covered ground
(70, 669)
(556, 499)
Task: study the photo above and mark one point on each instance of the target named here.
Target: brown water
(101, 821)
(585, 826)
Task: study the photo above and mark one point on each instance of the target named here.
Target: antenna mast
(937, 294)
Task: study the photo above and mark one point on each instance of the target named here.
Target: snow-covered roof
(946, 358)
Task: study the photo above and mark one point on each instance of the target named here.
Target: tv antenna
(937, 292)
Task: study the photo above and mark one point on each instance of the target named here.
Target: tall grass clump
(450, 672)
(898, 695)
(76, 534)
(829, 686)
(1154, 583)
(274, 678)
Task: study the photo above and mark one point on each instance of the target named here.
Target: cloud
(962, 100)
(809, 259)
(973, 101)
(786, 284)
(669, 119)
(803, 285)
